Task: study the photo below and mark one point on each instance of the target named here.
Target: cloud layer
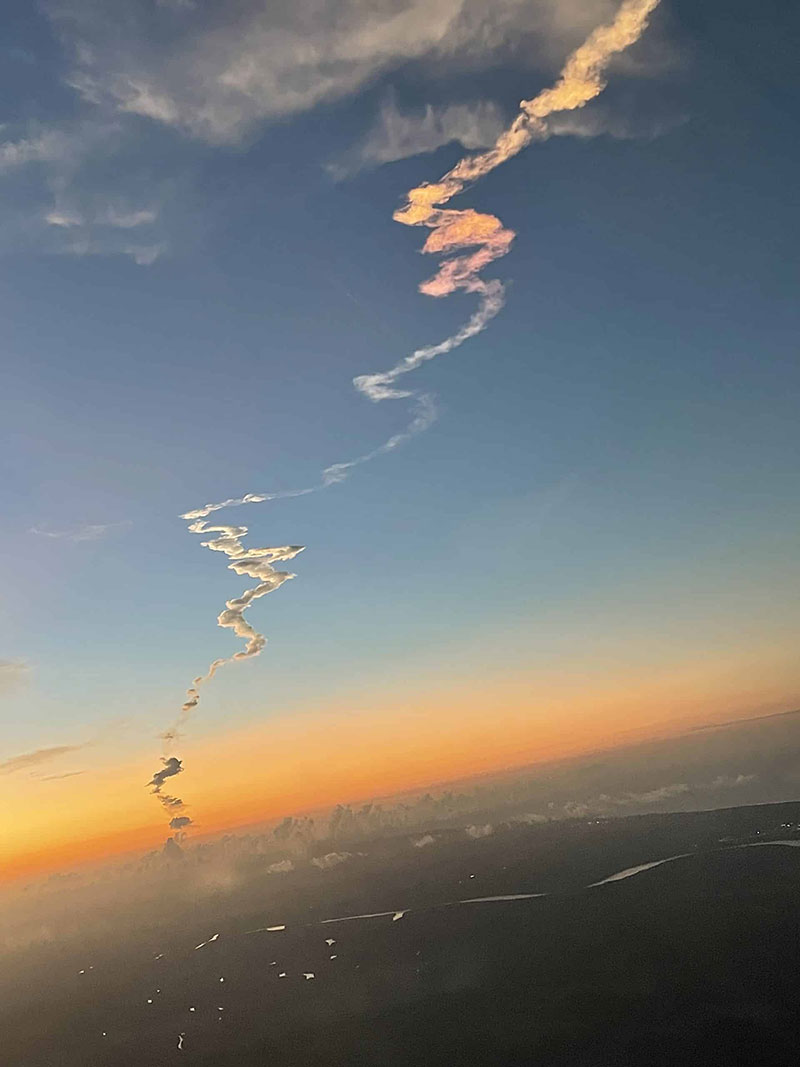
(217, 77)
(105, 181)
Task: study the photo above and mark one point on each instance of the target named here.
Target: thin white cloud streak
(64, 220)
(127, 219)
(581, 80)
(57, 777)
(37, 757)
(86, 532)
(46, 146)
(379, 386)
(423, 417)
(109, 215)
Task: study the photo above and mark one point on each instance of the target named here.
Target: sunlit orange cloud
(380, 746)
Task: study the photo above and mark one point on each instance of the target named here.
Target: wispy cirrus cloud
(399, 134)
(121, 217)
(38, 146)
(38, 756)
(218, 79)
(58, 777)
(12, 672)
(602, 121)
(750, 719)
(91, 531)
(135, 67)
(125, 218)
(75, 200)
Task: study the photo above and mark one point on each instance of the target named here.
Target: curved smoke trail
(452, 233)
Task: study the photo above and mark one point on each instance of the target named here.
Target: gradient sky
(597, 540)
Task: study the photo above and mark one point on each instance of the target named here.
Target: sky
(595, 540)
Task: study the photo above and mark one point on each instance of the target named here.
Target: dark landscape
(693, 961)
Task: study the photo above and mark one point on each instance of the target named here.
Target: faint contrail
(452, 233)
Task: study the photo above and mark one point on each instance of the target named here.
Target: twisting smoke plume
(255, 563)
(172, 766)
(581, 80)
(172, 805)
(453, 232)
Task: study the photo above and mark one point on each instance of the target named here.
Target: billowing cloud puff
(424, 841)
(332, 859)
(280, 867)
(480, 831)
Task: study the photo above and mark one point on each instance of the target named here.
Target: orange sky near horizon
(374, 747)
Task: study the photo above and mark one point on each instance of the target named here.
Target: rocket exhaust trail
(469, 241)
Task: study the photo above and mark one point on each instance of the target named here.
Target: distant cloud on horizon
(742, 722)
(424, 841)
(479, 831)
(280, 867)
(331, 860)
(604, 803)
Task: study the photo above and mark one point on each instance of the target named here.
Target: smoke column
(452, 233)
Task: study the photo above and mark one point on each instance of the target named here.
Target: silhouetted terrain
(694, 961)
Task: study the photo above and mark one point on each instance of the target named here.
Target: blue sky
(614, 469)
